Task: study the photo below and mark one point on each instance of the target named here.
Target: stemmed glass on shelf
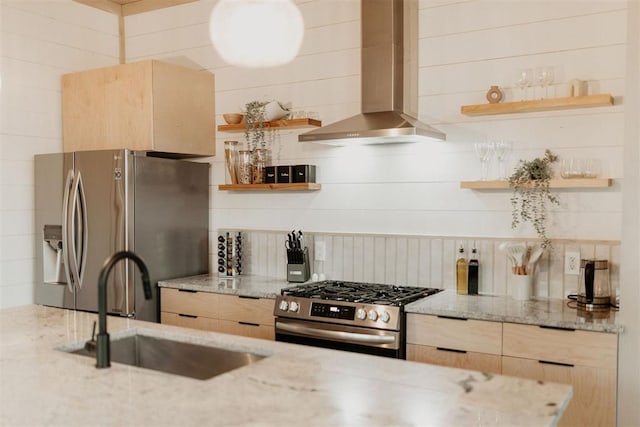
(544, 76)
(483, 151)
(502, 149)
(524, 78)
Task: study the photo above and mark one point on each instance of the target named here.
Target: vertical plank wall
(423, 260)
(39, 41)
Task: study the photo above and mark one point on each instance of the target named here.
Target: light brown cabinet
(455, 342)
(586, 360)
(145, 106)
(231, 314)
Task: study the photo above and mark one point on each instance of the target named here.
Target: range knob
(294, 307)
(361, 314)
(373, 315)
(385, 317)
(283, 305)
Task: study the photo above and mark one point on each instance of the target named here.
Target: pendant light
(256, 33)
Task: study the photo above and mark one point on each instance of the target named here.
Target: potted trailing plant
(530, 182)
(254, 124)
(256, 114)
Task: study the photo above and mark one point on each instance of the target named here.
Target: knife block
(299, 273)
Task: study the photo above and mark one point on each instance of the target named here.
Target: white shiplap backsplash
(421, 260)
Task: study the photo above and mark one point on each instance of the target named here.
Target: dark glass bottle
(473, 268)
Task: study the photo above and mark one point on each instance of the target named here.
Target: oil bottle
(461, 273)
(473, 267)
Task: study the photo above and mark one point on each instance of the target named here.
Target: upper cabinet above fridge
(148, 106)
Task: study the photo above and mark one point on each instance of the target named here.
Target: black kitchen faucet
(103, 352)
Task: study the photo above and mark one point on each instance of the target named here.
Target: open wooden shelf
(295, 186)
(601, 100)
(290, 124)
(554, 183)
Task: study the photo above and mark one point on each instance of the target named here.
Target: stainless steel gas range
(361, 317)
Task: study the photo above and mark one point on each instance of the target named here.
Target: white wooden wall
(39, 41)
(464, 47)
(421, 260)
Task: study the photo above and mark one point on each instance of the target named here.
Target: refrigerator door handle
(85, 229)
(65, 229)
(72, 234)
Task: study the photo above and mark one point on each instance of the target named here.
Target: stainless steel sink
(175, 357)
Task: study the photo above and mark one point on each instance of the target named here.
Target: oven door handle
(340, 335)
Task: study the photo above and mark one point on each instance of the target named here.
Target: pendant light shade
(256, 33)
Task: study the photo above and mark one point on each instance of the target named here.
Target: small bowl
(233, 118)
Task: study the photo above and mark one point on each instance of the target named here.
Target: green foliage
(530, 182)
(254, 124)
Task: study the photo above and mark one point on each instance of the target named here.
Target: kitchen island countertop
(42, 385)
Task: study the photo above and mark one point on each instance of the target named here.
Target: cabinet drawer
(245, 309)
(455, 359)
(253, 330)
(194, 322)
(192, 303)
(459, 334)
(594, 389)
(595, 349)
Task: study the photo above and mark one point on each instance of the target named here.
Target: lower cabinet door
(594, 389)
(253, 330)
(455, 358)
(188, 321)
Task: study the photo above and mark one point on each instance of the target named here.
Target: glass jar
(259, 165)
(231, 161)
(244, 171)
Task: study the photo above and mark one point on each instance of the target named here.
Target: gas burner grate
(360, 292)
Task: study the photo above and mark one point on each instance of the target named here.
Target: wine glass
(524, 78)
(483, 151)
(544, 76)
(502, 149)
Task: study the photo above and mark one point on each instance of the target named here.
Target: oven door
(340, 337)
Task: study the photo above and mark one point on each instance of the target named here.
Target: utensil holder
(297, 272)
(521, 286)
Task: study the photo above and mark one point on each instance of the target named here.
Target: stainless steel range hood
(389, 81)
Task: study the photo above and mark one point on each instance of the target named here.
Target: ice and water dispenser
(53, 265)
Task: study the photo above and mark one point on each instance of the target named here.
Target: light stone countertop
(246, 285)
(536, 311)
(42, 385)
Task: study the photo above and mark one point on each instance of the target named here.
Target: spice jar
(259, 165)
(244, 167)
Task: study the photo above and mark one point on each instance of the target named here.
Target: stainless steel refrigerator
(91, 204)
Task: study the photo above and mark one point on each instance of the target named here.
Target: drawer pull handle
(190, 316)
(453, 350)
(248, 323)
(557, 328)
(247, 297)
(546, 362)
(187, 290)
(452, 318)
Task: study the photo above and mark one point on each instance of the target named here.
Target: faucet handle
(91, 344)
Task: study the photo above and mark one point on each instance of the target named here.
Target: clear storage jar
(259, 165)
(231, 161)
(244, 170)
